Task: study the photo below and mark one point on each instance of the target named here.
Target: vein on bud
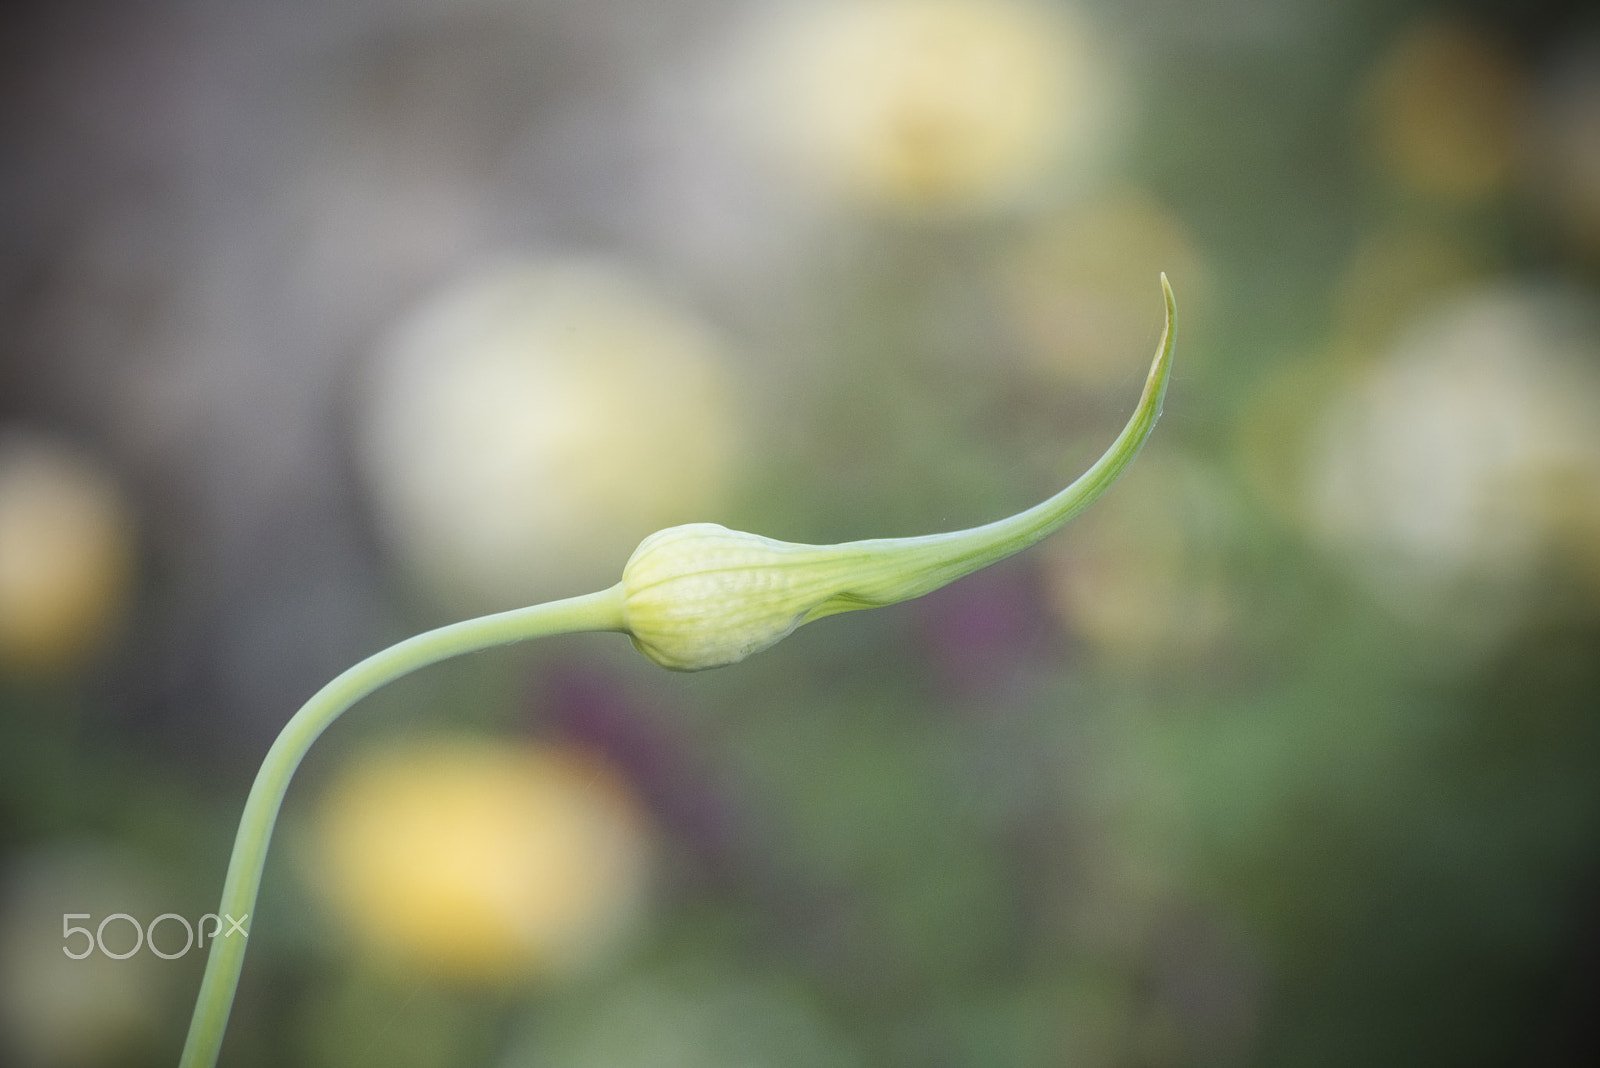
(702, 596)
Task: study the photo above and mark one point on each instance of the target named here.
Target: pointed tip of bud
(1172, 306)
(1155, 387)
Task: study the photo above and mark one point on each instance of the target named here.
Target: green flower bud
(703, 596)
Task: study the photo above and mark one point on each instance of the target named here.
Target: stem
(595, 611)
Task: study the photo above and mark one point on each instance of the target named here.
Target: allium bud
(702, 596)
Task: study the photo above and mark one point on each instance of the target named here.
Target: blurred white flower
(525, 428)
(481, 859)
(65, 553)
(1456, 463)
(927, 104)
(1395, 271)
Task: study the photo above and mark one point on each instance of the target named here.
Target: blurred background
(322, 323)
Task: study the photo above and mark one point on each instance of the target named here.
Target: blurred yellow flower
(482, 860)
(1447, 111)
(525, 428)
(65, 553)
(928, 104)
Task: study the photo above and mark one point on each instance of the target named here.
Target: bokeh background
(325, 322)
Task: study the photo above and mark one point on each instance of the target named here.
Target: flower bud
(702, 596)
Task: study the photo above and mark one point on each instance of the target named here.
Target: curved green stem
(595, 611)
